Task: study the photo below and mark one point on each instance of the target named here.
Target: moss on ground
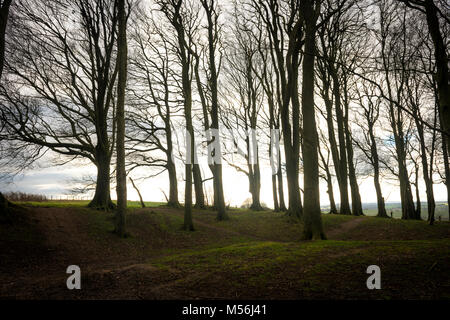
(259, 254)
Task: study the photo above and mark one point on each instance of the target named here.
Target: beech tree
(269, 81)
(340, 38)
(122, 55)
(376, 72)
(244, 87)
(61, 66)
(312, 215)
(155, 101)
(369, 113)
(212, 17)
(283, 21)
(392, 56)
(433, 16)
(174, 11)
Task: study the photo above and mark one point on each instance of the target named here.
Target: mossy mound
(9, 212)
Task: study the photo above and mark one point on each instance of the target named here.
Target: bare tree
(370, 104)
(213, 35)
(174, 11)
(340, 47)
(433, 15)
(138, 192)
(61, 67)
(283, 22)
(393, 60)
(155, 101)
(270, 83)
(243, 81)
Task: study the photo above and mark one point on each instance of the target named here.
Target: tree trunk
(121, 175)
(255, 183)
(102, 197)
(333, 209)
(328, 179)
(380, 199)
(344, 206)
(220, 205)
(276, 206)
(376, 176)
(356, 197)
(188, 224)
(4, 13)
(447, 173)
(343, 173)
(198, 186)
(138, 192)
(312, 216)
(295, 207)
(173, 184)
(281, 187)
(198, 182)
(174, 14)
(408, 210)
(296, 133)
(272, 143)
(418, 203)
(431, 204)
(442, 74)
(212, 17)
(171, 168)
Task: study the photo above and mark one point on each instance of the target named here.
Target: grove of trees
(338, 90)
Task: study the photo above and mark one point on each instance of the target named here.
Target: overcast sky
(57, 181)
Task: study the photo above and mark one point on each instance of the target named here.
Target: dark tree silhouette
(121, 175)
(61, 66)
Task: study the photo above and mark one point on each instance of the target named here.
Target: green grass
(372, 228)
(317, 268)
(258, 254)
(80, 203)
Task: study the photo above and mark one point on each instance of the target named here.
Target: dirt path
(344, 228)
(64, 231)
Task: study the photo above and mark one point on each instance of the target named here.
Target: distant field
(79, 203)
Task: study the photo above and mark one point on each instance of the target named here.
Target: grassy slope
(259, 255)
